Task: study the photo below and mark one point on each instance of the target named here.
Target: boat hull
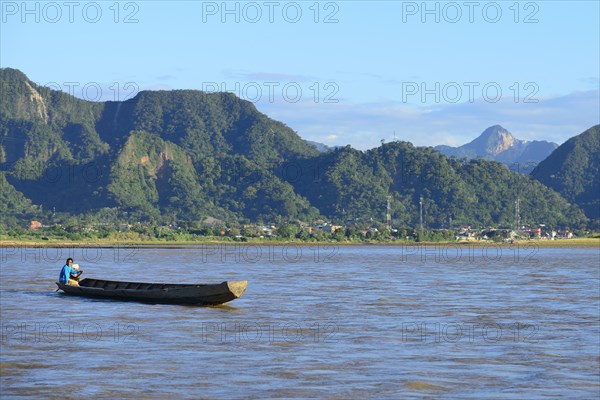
(200, 294)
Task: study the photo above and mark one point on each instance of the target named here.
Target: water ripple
(348, 322)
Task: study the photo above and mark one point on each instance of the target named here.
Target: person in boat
(69, 274)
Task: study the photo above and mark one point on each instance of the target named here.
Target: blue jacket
(65, 273)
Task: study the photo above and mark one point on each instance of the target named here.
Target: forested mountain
(14, 207)
(498, 144)
(573, 170)
(174, 154)
(350, 184)
(183, 155)
(322, 148)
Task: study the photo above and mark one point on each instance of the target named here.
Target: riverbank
(105, 243)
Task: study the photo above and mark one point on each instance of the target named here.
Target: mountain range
(322, 148)
(573, 170)
(496, 143)
(184, 156)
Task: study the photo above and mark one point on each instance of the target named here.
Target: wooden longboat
(171, 293)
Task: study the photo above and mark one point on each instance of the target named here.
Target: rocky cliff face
(497, 143)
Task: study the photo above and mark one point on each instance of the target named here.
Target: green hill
(15, 208)
(573, 170)
(79, 156)
(348, 185)
(183, 155)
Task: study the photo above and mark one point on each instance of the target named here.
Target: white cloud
(364, 125)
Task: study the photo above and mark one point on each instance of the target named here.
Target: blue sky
(345, 72)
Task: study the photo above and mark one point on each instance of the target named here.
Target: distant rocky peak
(495, 140)
(497, 143)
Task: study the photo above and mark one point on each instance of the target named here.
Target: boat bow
(237, 288)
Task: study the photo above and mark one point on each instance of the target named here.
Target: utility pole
(421, 213)
(388, 215)
(517, 216)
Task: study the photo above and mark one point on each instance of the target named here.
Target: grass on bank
(136, 239)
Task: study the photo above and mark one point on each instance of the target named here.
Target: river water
(316, 322)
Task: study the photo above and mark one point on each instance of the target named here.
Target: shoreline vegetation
(8, 242)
